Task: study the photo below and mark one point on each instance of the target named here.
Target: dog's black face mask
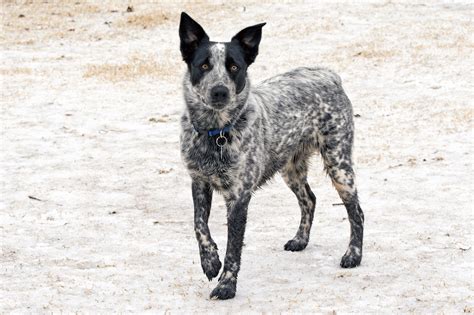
(218, 71)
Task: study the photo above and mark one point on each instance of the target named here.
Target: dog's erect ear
(191, 35)
(249, 39)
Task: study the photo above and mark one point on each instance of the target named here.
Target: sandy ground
(95, 206)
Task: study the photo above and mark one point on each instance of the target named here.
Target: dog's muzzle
(219, 96)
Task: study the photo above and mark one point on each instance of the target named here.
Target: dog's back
(304, 109)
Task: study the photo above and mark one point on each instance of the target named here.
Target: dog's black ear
(191, 35)
(249, 39)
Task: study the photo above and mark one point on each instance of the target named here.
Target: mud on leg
(202, 198)
(236, 221)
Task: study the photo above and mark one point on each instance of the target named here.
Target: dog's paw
(225, 289)
(351, 258)
(210, 262)
(296, 244)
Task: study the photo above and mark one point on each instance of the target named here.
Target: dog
(236, 137)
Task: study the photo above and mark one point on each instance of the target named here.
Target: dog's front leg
(202, 198)
(236, 221)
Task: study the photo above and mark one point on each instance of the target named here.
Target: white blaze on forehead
(218, 54)
(219, 48)
(218, 73)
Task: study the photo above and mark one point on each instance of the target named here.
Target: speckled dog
(234, 138)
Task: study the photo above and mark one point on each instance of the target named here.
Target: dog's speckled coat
(275, 127)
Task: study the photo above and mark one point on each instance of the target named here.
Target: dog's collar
(221, 140)
(221, 132)
(214, 132)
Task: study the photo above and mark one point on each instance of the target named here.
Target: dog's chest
(218, 165)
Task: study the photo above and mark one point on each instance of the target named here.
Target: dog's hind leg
(294, 174)
(202, 198)
(336, 152)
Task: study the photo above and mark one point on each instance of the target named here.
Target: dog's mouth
(212, 105)
(218, 105)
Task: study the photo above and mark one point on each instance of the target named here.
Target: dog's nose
(219, 94)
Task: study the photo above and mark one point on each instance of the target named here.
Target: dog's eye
(205, 66)
(234, 68)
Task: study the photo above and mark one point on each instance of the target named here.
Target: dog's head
(218, 71)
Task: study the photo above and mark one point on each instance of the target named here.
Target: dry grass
(29, 22)
(15, 71)
(434, 117)
(365, 51)
(373, 50)
(322, 25)
(39, 7)
(453, 120)
(424, 47)
(135, 67)
(454, 35)
(146, 20)
(24, 42)
(160, 14)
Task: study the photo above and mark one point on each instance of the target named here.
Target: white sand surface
(90, 105)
